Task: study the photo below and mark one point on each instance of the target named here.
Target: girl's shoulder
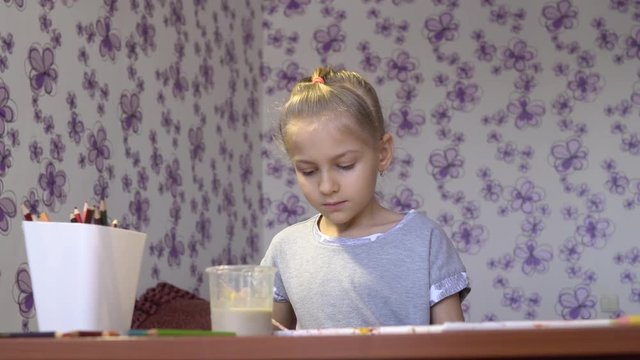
(415, 217)
(288, 240)
(418, 221)
(301, 228)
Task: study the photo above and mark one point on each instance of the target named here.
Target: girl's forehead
(328, 121)
(322, 119)
(333, 131)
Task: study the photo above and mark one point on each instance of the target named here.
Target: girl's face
(336, 168)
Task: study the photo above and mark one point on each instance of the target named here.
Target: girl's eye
(306, 172)
(346, 167)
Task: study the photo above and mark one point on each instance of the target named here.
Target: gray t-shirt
(386, 279)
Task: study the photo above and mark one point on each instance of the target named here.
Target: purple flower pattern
(401, 67)
(52, 182)
(559, 16)
(585, 86)
(441, 28)
(6, 112)
(464, 96)
(5, 159)
(8, 210)
(110, 42)
(594, 232)
(446, 164)
(535, 258)
(139, 210)
(526, 112)
(43, 74)
(524, 196)
(632, 45)
(288, 76)
(469, 238)
(406, 121)
(405, 200)
(23, 293)
(569, 156)
(571, 250)
(175, 248)
(329, 40)
(576, 304)
(98, 148)
(131, 114)
(289, 210)
(517, 56)
(75, 126)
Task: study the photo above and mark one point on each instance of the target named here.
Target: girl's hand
(284, 314)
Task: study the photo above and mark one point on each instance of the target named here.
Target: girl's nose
(328, 184)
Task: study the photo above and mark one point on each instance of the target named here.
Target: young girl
(355, 263)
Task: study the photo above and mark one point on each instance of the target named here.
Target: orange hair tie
(317, 80)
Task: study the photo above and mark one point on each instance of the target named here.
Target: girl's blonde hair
(329, 91)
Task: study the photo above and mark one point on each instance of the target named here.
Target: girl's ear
(386, 152)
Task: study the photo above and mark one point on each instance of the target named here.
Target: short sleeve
(448, 274)
(269, 259)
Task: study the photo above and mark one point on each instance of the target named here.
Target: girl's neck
(375, 219)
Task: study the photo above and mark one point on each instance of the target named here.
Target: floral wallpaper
(517, 125)
(153, 105)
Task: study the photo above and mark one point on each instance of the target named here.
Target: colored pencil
(103, 212)
(278, 325)
(85, 333)
(43, 217)
(36, 334)
(97, 219)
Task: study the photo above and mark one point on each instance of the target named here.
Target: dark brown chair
(169, 307)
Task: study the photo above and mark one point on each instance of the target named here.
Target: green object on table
(177, 332)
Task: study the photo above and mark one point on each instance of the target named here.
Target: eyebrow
(341, 155)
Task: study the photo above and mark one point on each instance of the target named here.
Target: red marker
(87, 214)
(76, 214)
(26, 213)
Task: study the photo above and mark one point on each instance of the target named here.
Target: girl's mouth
(334, 205)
